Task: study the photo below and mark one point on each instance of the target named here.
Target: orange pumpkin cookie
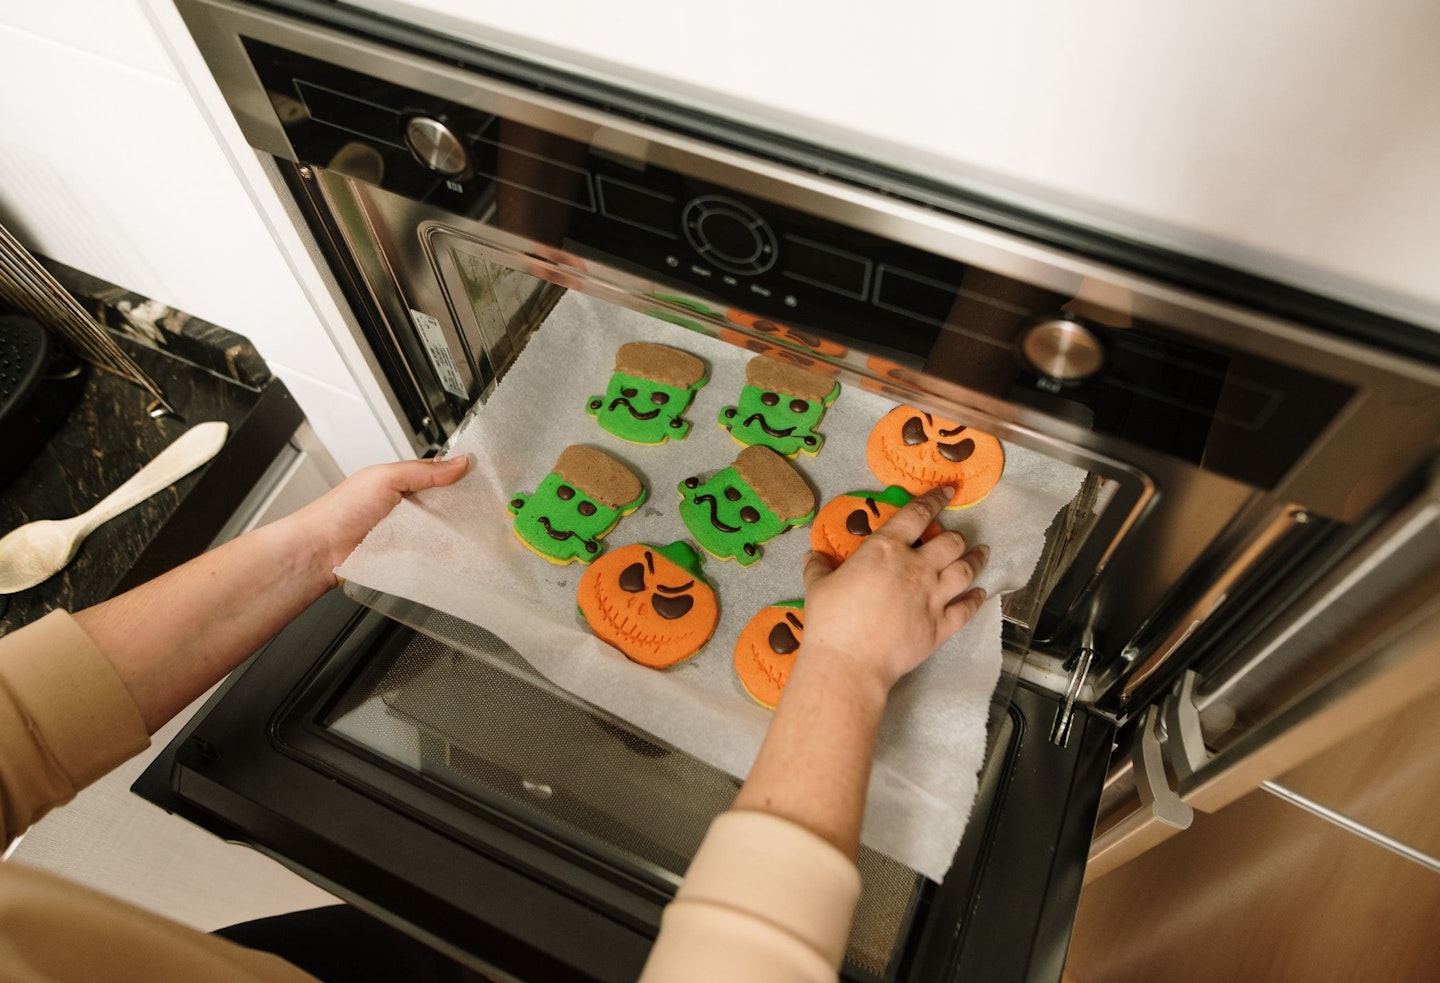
(765, 651)
(842, 525)
(650, 602)
(918, 452)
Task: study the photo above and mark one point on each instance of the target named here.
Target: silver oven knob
(435, 146)
(1062, 349)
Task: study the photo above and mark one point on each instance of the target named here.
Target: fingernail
(984, 552)
(981, 593)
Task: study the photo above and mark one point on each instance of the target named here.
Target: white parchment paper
(452, 549)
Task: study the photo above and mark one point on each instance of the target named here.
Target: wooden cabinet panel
(1261, 890)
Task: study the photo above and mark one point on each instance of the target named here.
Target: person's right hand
(892, 604)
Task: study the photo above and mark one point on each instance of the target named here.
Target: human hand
(892, 604)
(333, 525)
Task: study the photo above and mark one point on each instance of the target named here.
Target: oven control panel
(803, 274)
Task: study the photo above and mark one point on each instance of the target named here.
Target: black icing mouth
(753, 417)
(560, 535)
(622, 401)
(714, 517)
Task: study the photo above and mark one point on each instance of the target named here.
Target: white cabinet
(108, 165)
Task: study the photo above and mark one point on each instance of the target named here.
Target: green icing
(683, 555)
(556, 524)
(643, 411)
(782, 422)
(788, 604)
(730, 525)
(892, 495)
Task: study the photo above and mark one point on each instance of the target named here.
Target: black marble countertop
(107, 437)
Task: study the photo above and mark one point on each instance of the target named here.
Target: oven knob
(435, 146)
(1062, 349)
(729, 235)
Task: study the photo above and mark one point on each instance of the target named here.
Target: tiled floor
(116, 842)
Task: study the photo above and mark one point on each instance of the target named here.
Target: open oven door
(451, 792)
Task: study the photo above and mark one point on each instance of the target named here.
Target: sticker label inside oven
(440, 356)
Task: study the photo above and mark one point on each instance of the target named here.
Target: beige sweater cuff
(777, 872)
(66, 718)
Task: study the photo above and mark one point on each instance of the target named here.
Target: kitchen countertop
(108, 436)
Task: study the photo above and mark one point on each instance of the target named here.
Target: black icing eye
(957, 452)
(770, 399)
(783, 640)
(564, 493)
(586, 508)
(749, 514)
(629, 393)
(732, 493)
(857, 523)
(798, 406)
(766, 327)
(632, 578)
(913, 432)
(595, 404)
(671, 608)
(659, 399)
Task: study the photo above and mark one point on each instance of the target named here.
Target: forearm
(174, 637)
(814, 765)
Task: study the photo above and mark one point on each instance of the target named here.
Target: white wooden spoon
(38, 550)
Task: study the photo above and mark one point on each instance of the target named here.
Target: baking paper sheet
(453, 549)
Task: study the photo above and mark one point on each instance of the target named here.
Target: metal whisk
(29, 287)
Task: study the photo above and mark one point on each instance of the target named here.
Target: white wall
(107, 165)
(1299, 138)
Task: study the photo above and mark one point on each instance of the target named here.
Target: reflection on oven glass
(472, 717)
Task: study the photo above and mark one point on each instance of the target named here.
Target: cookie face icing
(919, 451)
(780, 407)
(650, 602)
(765, 651)
(845, 521)
(751, 502)
(651, 387)
(576, 504)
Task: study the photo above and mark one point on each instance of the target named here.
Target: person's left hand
(334, 524)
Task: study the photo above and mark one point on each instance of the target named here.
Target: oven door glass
(448, 788)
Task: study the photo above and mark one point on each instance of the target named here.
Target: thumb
(817, 567)
(413, 476)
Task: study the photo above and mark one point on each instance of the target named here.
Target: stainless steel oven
(1247, 573)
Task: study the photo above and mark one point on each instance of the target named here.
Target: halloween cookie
(579, 501)
(842, 525)
(765, 651)
(786, 335)
(779, 407)
(650, 602)
(918, 452)
(752, 501)
(649, 389)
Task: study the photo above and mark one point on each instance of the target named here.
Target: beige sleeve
(65, 719)
(763, 900)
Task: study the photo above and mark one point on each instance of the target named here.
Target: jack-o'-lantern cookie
(580, 500)
(842, 525)
(649, 390)
(765, 651)
(749, 503)
(779, 407)
(786, 335)
(650, 602)
(918, 451)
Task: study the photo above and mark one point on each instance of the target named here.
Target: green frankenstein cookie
(780, 407)
(580, 500)
(651, 386)
(752, 501)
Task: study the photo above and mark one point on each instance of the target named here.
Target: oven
(1243, 572)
